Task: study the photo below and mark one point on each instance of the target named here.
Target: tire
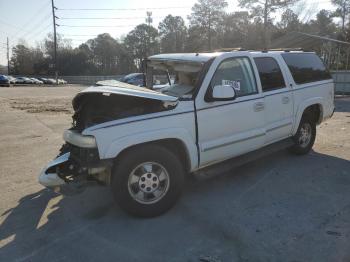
(305, 136)
(147, 180)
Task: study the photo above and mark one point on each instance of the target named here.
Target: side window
(270, 73)
(306, 67)
(238, 73)
(139, 77)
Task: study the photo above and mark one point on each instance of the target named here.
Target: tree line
(209, 27)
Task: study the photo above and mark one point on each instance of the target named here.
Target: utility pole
(149, 18)
(149, 21)
(8, 56)
(55, 40)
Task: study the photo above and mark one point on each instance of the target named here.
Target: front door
(230, 128)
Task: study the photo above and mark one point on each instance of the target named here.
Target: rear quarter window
(306, 67)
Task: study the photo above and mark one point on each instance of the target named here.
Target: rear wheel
(305, 137)
(147, 180)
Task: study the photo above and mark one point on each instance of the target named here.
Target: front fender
(302, 106)
(180, 134)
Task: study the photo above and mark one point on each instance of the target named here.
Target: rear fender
(301, 108)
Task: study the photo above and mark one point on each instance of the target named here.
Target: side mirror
(223, 93)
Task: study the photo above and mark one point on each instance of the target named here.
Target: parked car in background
(136, 79)
(24, 80)
(12, 80)
(19, 80)
(28, 80)
(62, 82)
(51, 81)
(36, 81)
(44, 80)
(4, 81)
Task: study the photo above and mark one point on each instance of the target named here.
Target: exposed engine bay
(96, 108)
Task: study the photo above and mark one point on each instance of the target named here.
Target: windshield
(130, 76)
(183, 77)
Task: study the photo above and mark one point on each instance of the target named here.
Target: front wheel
(305, 137)
(147, 180)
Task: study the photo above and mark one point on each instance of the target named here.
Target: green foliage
(262, 9)
(210, 28)
(172, 32)
(206, 16)
(142, 42)
(342, 11)
(289, 21)
(25, 59)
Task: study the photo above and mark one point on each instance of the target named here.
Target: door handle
(259, 106)
(285, 100)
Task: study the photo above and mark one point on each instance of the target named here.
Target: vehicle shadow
(266, 210)
(43, 218)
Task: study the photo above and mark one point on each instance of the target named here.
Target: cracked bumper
(48, 176)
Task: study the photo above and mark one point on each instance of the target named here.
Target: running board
(228, 165)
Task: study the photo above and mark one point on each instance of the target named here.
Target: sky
(31, 20)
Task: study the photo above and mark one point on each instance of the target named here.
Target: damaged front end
(79, 163)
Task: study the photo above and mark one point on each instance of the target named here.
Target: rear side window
(270, 73)
(306, 68)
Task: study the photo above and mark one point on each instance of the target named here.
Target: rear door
(277, 96)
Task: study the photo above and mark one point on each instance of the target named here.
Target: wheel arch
(312, 107)
(174, 145)
(180, 143)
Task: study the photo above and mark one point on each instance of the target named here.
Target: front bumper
(49, 176)
(72, 171)
(79, 140)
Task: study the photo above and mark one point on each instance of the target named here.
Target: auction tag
(234, 84)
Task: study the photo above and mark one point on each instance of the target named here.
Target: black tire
(300, 148)
(129, 162)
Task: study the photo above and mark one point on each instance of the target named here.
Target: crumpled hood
(120, 88)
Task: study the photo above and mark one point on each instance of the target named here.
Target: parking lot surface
(279, 208)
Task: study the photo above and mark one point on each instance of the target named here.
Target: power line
(43, 30)
(33, 18)
(35, 27)
(14, 26)
(76, 39)
(26, 33)
(76, 35)
(122, 9)
(105, 18)
(97, 25)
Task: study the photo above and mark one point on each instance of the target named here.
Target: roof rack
(283, 49)
(227, 49)
(232, 49)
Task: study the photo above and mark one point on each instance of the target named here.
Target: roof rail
(227, 49)
(231, 49)
(285, 49)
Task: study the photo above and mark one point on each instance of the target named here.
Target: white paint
(225, 128)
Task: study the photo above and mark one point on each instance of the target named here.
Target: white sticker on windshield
(234, 84)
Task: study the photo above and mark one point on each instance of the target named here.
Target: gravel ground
(279, 208)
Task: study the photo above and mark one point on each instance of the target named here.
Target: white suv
(221, 105)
